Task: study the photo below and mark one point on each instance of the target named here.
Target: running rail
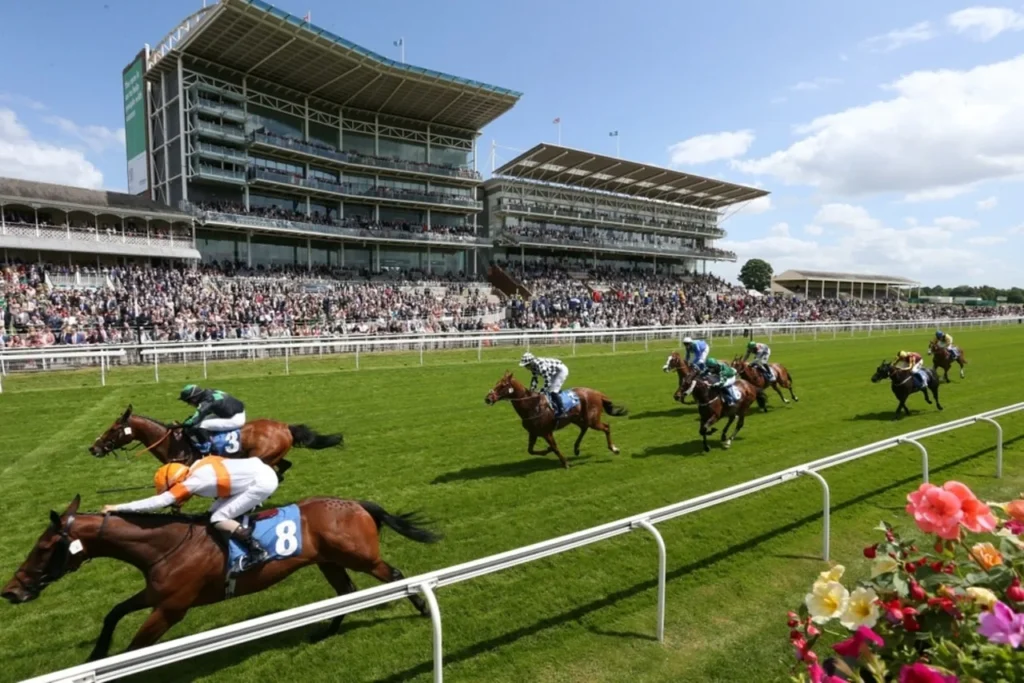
(103, 354)
(180, 649)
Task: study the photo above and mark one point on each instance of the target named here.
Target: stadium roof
(65, 197)
(267, 43)
(801, 275)
(590, 171)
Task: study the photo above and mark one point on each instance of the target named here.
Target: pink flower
(936, 511)
(851, 647)
(1014, 592)
(1002, 625)
(922, 673)
(1016, 528)
(977, 516)
(818, 675)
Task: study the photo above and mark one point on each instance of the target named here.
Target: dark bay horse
(903, 385)
(941, 358)
(676, 362)
(183, 562)
(539, 418)
(712, 408)
(756, 377)
(267, 440)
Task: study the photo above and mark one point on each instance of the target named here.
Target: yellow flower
(982, 596)
(827, 601)
(986, 555)
(833, 574)
(883, 565)
(861, 609)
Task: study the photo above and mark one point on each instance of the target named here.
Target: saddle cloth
(570, 399)
(226, 444)
(920, 379)
(279, 530)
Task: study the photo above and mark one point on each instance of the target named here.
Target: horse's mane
(161, 517)
(153, 419)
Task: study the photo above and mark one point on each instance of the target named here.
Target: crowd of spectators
(92, 226)
(557, 233)
(127, 304)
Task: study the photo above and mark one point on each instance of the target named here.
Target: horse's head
(54, 555)
(931, 346)
(674, 362)
(884, 371)
(118, 435)
(687, 385)
(505, 388)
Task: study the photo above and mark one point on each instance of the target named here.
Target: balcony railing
(161, 238)
(687, 227)
(216, 130)
(211, 151)
(221, 174)
(622, 247)
(214, 108)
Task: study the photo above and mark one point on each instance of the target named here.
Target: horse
(267, 440)
(942, 358)
(712, 408)
(903, 385)
(539, 418)
(756, 377)
(676, 362)
(183, 559)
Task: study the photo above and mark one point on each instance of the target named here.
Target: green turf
(422, 438)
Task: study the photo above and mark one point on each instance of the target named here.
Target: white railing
(181, 649)
(103, 355)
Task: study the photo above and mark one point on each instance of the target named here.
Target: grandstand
(600, 211)
(829, 285)
(292, 146)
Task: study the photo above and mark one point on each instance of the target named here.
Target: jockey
(215, 412)
(909, 360)
(761, 353)
(554, 373)
(726, 377)
(238, 485)
(945, 341)
(699, 349)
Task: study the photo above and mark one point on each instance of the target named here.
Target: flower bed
(943, 612)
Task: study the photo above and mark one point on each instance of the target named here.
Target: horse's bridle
(59, 563)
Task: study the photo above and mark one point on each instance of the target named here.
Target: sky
(890, 135)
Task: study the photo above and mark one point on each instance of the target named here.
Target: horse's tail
(612, 409)
(304, 437)
(407, 524)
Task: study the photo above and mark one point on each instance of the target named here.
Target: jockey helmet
(903, 355)
(752, 345)
(939, 334)
(687, 341)
(526, 359)
(711, 361)
(189, 392)
(168, 475)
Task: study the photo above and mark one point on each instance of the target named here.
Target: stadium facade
(575, 206)
(286, 142)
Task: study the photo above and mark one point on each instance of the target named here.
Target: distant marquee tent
(830, 285)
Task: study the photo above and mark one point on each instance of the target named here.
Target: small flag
(613, 134)
(308, 17)
(400, 42)
(557, 120)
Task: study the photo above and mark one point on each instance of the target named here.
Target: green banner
(135, 127)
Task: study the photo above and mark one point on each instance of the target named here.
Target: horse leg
(283, 467)
(576, 447)
(960, 361)
(935, 390)
(533, 442)
(607, 429)
(775, 386)
(550, 438)
(900, 408)
(382, 571)
(342, 584)
(132, 604)
(739, 423)
(160, 620)
(726, 442)
(924, 391)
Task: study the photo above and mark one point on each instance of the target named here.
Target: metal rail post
(826, 509)
(924, 455)
(204, 363)
(287, 370)
(999, 443)
(103, 370)
(421, 351)
(435, 620)
(480, 349)
(156, 365)
(662, 564)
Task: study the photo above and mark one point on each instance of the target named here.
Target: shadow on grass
(686, 448)
(517, 468)
(879, 416)
(678, 411)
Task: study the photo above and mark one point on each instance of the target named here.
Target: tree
(756, 274)
(1015, 297)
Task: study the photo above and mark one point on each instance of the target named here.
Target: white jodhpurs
(263, 486)
(223, 424)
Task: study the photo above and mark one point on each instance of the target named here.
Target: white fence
(287, 348)
(45, 360)
(228, 636)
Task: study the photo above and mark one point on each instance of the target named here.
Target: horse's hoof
(615, 450)
(726, 444)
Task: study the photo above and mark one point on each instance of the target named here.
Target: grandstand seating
(46, 305)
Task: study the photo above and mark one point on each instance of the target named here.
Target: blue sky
(891, 135)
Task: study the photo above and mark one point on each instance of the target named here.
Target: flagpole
(559, 132)
(617, 154)
(401, 43)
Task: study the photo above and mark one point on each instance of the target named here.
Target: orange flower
(1016, 510)
(986, 555)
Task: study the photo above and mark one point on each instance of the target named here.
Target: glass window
(221, 246)
(390, 214)
(267, 201)
(402, 184)
(358, 143)
(358, 258)
(268, 120)
(325, 134)
(270, 250)
(403, 150)
(325, 253)
(279, 166)
(449, 156)
(364, 211)
(438, 218)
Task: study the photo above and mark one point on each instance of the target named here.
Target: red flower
(871, 551)
(818, 675)
(922, 673)
(945, 604)
(917, 592)
(910, 619)
(1015, 593)
(851, 647)
(893, 610)
(792, 619)
(1016, 527)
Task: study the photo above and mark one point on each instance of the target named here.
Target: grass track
(421, 437)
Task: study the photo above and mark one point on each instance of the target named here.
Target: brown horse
(183, 559)
(712, 407)
(267, 440)
(903, 385)
(539, 418)
(941, 358)
(756, 377)
(676, 362)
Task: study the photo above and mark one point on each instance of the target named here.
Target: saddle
(279, 530)
(569, 399)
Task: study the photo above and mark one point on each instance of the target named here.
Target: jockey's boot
(255, 555)
(556, 402)
(200, 439)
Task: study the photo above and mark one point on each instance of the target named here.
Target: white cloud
(754, 206)
(780, 230)
(97, 138)
(938, 194)
(988, 204)
(21, 101)
(816, 84)
(855, 241)
(843, 57)
(901, 37)
(22, 156)
(941, 132)
(1017, 230)
(985, 23)
(986, 241)
(711, 147)
(956, 223)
